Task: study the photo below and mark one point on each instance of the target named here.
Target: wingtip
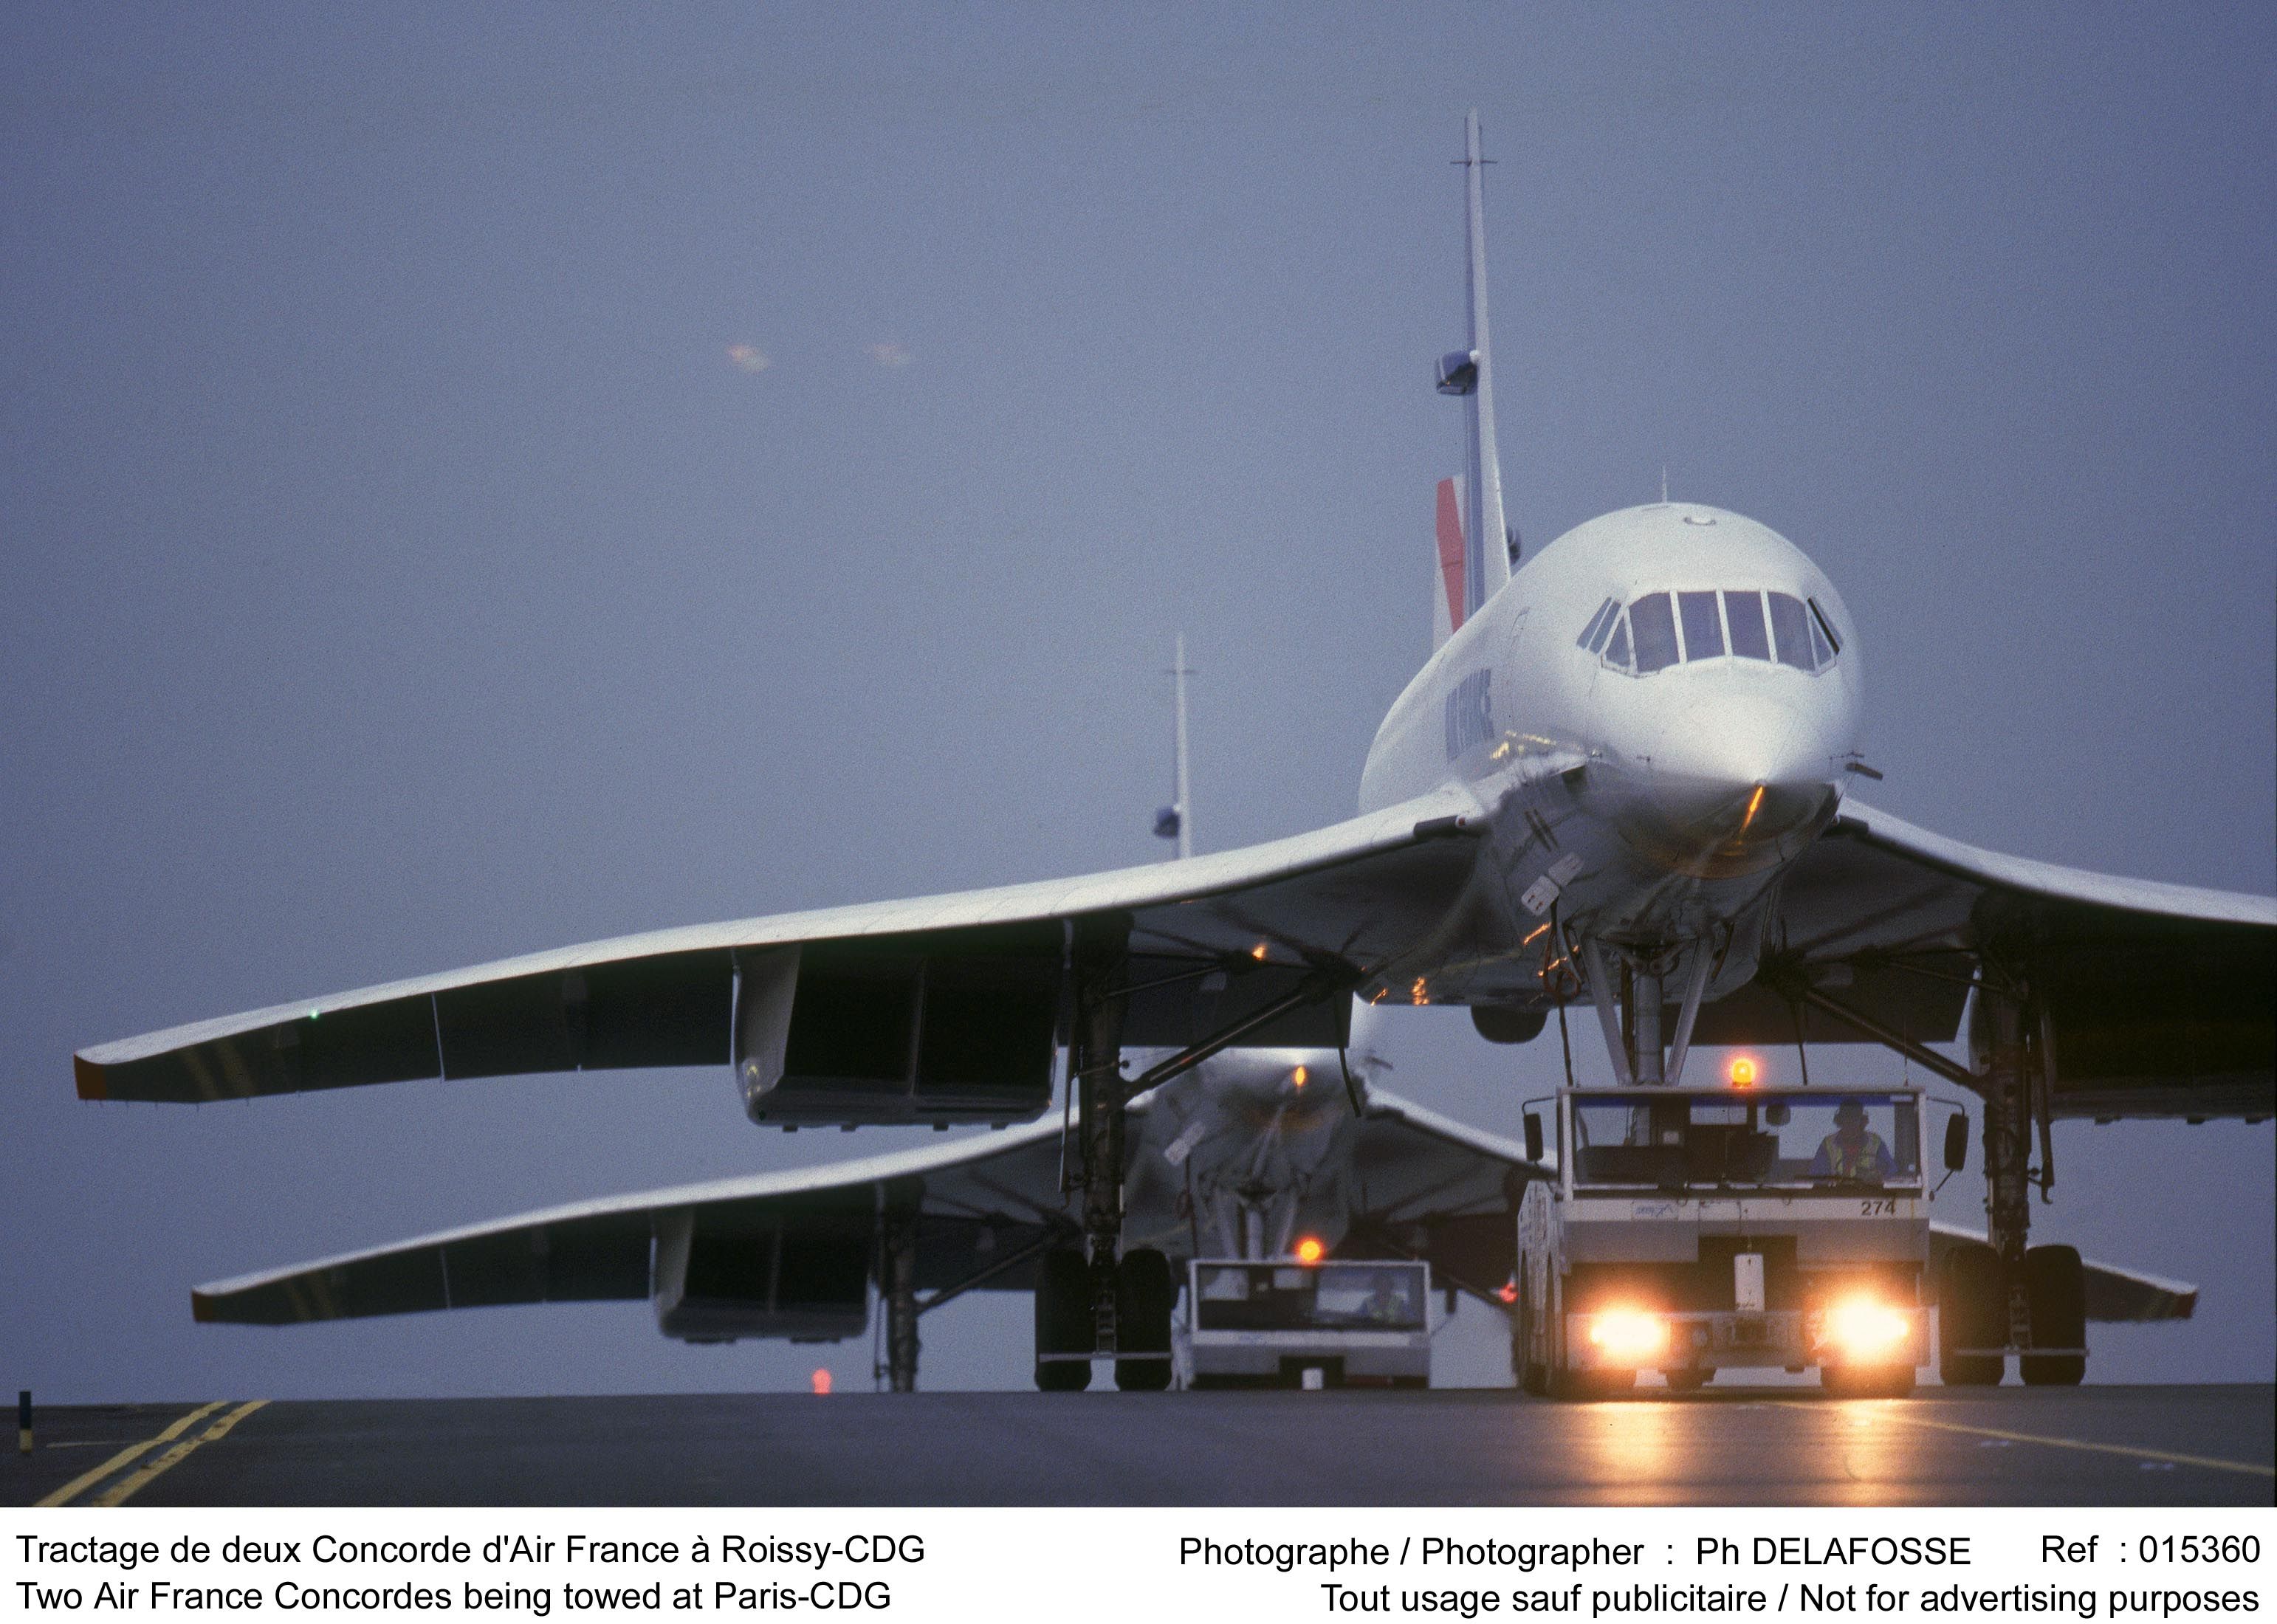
(89, 1077)
(201, 1307)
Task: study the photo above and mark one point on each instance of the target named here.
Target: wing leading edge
(1211, 939)
(2152, 999)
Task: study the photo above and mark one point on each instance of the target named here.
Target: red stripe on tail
(1451, 572)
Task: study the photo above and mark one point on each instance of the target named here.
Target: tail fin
(1482, 532)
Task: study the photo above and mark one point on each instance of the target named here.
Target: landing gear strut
(1628, 986)
(2010, 1296)
(1126, 1298)
(1098, 1301)
(899, 1288)
(1095, 1071)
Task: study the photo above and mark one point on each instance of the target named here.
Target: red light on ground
(1743, 1072)
(822, 1382)
(1309, 1251)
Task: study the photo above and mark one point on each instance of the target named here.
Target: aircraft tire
(1689, 1378)
(1971, 1298)
(1145, 1295)
(1062, 1319)
(2056, 1285)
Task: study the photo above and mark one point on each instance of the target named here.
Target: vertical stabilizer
(1489, 562)
(1470, 372)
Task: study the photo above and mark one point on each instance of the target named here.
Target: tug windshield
(1821, 1139)
(1327, 1296)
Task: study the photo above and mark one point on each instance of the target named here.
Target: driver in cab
(1387, 1304)
(1853, 1150)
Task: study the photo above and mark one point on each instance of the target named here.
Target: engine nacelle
(888, 1031)
(719, 1275)
(1500, 1024)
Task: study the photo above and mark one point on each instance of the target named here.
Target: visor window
(1744, 610)
(1653, 624)
(1703, 626)
(1791, 625)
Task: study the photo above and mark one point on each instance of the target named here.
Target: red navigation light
(822, 1380)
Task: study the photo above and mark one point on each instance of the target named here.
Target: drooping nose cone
(1737, 782)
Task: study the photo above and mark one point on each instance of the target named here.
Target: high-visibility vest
(1870, 1155)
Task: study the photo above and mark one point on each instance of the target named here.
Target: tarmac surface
(2040, 1447)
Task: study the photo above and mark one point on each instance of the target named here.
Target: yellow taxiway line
(2166, 1456)
(129, 1485)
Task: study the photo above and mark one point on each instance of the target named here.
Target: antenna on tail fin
(1175, 821)
(1478, 527)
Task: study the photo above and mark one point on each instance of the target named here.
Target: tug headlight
(1865, 1330)
(1629, 1336)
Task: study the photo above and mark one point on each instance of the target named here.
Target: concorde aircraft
(1621, 778)
(1250, 1154)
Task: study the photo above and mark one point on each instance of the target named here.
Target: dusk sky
(476, 479)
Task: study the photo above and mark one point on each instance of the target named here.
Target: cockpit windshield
(1661, 629)
(1820, 1139)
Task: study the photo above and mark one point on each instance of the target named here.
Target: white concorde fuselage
(1654, 808)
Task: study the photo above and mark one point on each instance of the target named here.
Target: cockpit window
(1653, 626)
(1703, 626)
(1826, 626)
(1792, 627)
(1643, 637)
(1595, 629)
(1744, 612)
(1616, 646)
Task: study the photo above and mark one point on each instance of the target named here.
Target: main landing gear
(2006, 1295)
(898, 1283)
(1065, 1324)
(1100, 1300)
(2001, 1296)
